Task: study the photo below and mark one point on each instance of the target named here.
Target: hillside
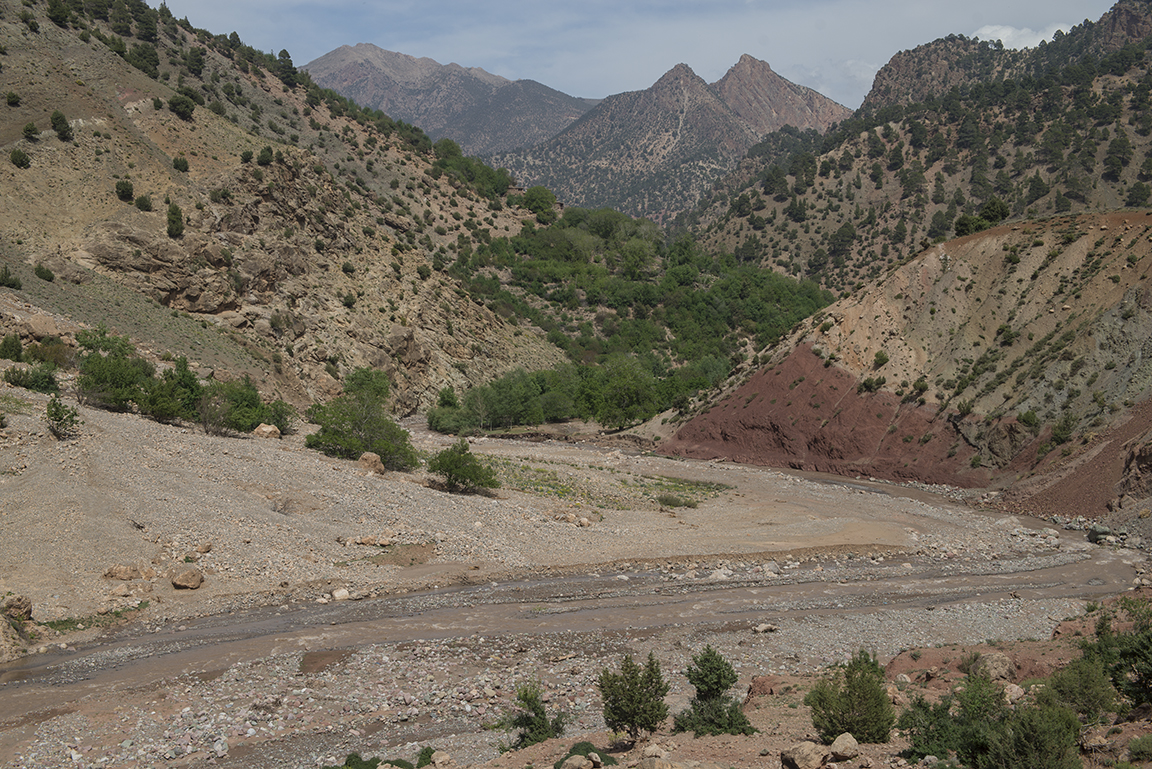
(1010, 353)
(651, 153)
(847, 207)
(484, 113)
(314, 234)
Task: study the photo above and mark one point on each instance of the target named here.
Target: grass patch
(70, 624)
(10, 404)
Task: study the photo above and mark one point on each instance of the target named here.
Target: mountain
(652, 152)
(484, 113)
(956, 61)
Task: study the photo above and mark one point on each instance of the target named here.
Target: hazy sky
(595, 48)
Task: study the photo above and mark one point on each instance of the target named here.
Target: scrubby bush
(460, 468)
(112, 381)
(31, 132)
(583, 749)
(11, 348)
(1140, 749)
(42, 272)
(41, 378)
(20, 158)
(8, 280)
(265, 157)
(144, 203)
(174, 395)
(634, 697)
(1083, 686)
(125, 191)
(356, 422)
(52, 350)
(227, 407)
(63, 421)
(852, 699)
(180, 163)
(246, 156)
(182, 106)
(530, 719)
(712, 711)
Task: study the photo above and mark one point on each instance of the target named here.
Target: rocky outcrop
(768, 102)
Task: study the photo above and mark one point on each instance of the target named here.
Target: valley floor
(577, 559)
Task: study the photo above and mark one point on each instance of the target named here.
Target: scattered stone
(765, 627)
(1013, 693)
(189, 579)
(655, 751)
(995, 665)
(121, 572)
(204, 548)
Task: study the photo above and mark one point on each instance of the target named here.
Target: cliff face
(653, 152)
(482, 112)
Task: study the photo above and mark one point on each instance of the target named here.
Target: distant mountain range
(483, 113)
(648, 153)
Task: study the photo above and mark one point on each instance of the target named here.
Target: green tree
(460, 468)
(541, 201)
(852, 699)
(356, 422)
(634, 697)
(125, 191)
(265, 157)
(61, 126)
(20, 158)
(31, 132)
(628, 394)
(58, 13)
(11, 348)
(175, 221)
(712, 711)
(182, 106)
(180, 163)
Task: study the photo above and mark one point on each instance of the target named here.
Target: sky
(595, 48)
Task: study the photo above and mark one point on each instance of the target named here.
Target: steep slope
(305, 262)
(482, 112)
(651, 152)
(999, 355)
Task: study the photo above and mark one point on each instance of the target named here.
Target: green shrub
(175, 221)
(112, 381)
(356, 422)
(182, 106)
(852, 699)
(1083, 686)
(265, 157)
(531, 719)
(63, 421)
(180, 163)
(13, 99)
(52, 350)
(246, 156)
(125, 191)
(583, 749)
(61, 126)
(460, 468)
(42, 272)
(880, 358)
(634, 697)
(1140, 749)
(8, 280)
(41, 378)
(144, 203)
(31, 132)
(11, 348)
(20, 158)
(174, 395)
(1034, 737)
(228, 407)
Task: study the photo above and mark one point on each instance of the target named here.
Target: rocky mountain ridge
(652, 152)
(482, 112)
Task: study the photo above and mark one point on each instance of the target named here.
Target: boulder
(341, 594)
(655, 751)
(762, 686)
(17, 607)
(576, 762)
(995, 665)
(440, 758)
(370, 461)
(653, 762)
(803, 755)
(844, 748)
(266, 431)
(189, 579)
(121, 572)
(11, 644)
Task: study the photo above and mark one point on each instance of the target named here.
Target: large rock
(370, 461)
(17, 607)
(844, 748)
(995, 665)
(266, 431)
(189, 579)
(11, 644)
(576, 762)
(803, 755)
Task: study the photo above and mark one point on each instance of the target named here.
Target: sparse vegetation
(634, 697)
(852, 699)
(712, 711)
(530, 718)
(460, 468)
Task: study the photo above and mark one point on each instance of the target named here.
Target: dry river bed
(265, 666)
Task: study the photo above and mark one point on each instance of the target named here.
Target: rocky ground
(305, 641)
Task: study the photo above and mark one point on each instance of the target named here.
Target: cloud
(1014, 37)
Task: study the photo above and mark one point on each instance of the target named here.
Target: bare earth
(269, 664)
